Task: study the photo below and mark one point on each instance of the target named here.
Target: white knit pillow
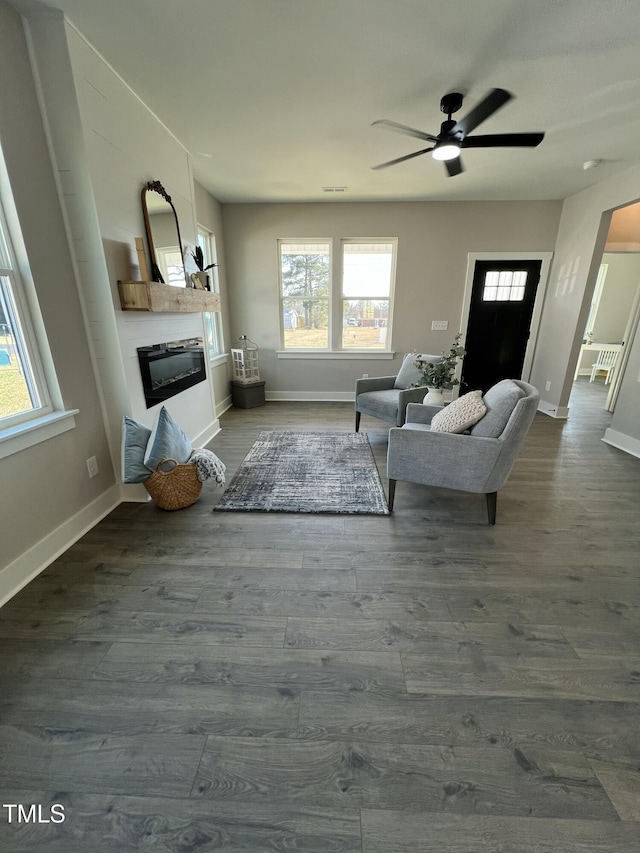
(461, 414)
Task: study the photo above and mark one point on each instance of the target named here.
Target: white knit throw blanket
(208, 466)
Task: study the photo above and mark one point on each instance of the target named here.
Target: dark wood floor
(199, 681)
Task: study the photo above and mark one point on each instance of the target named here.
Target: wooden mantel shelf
(162, 298)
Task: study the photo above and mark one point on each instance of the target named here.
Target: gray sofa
(478, 461)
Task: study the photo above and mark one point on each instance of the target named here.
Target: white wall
(127, 146)
(107, 146)
(624, 431)
(46, 496)
(618, 293)
(581, 239)
(434, 240)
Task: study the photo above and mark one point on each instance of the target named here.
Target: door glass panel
(504, 286)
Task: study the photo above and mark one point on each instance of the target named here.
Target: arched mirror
(163, 236)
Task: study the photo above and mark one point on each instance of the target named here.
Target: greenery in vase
(198, 258)
(440, 374)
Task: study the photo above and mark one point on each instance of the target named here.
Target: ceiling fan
(453, 135)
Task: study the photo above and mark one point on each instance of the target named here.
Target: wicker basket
(176, 488)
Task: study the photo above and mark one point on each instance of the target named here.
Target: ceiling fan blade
(402, 128)
(454, 167)
(401, 159)
(503, 140)
(492, 102)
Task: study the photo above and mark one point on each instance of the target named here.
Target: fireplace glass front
(170, 368)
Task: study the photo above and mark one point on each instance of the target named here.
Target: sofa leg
(357, 421)
(492, 503)
(392, 494)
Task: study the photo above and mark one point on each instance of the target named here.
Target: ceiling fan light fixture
(454, 135)
(446, 151)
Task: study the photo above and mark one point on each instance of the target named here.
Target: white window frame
(335, 348)
(48, 419)
(207, 242)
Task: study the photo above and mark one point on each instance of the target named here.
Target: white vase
(434, 397)
(200, 280)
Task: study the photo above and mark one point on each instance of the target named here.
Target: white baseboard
(622, 442)
(203, 438)
(224, 406)
(132, 493)
(310, 396)
(554, 411)
(29, 565)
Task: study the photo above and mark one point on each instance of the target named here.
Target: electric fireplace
(170, 368)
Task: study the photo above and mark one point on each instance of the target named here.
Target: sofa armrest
(408, 397)
(447, 459)
(418, 413)
(376, 383)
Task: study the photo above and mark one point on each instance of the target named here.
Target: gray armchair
(387, 397)
(478, 461)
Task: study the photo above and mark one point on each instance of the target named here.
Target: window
(305, 290)
(23, 394)
(504, 286)
(350, 310)
(171, 265)
(212, 320)
(367, 284)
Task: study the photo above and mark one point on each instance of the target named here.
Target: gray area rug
(307, 472)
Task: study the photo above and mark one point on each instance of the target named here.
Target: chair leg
(492, 503)
(357, 421)
(392, 494)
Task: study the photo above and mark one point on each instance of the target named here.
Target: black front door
(502, 301)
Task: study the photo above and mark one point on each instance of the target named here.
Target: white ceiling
(275, 98)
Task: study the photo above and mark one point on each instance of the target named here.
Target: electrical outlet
(547, 385)
(439, 325)
(365, 375)
(92, 466)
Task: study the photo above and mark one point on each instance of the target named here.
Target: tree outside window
(305, 284)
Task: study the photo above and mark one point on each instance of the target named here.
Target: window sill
(32, 432)
(348, 355)
(221, 358)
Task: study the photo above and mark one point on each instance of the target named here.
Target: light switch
(439, 325)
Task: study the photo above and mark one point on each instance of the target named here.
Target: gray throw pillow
(167, 441)
(135, 438)
(500, 401)
(409, 375)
